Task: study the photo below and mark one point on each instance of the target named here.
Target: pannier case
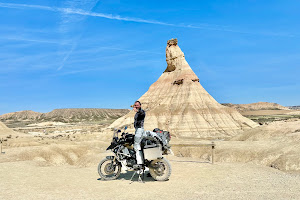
(152, 152)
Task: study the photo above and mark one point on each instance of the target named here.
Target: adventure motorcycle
(154, 145)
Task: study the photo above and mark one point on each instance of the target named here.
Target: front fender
(110, 157)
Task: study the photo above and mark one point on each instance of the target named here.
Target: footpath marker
(212, 152)
(1, 141)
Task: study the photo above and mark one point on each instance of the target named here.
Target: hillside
(256, 106)
(7, 132)
(83, 114)
(66, 115)
(21, 115)
(294, 107)
(274, 145)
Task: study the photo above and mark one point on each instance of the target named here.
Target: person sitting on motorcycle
(139, 132)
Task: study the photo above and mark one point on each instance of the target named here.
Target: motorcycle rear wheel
(109, 169)
(160, 169)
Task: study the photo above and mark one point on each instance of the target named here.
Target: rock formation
(177, 102)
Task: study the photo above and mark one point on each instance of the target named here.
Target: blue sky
(106, 54)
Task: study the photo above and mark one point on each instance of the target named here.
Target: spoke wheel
(109, 169)
(160, 169)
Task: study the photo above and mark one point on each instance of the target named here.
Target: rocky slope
(177, 102)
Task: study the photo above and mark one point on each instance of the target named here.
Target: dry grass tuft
(60, 155)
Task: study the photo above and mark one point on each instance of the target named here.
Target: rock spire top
(172, 42)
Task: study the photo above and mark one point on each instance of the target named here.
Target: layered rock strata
(177, 102)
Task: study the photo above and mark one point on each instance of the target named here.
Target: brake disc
(159, 168)
(109, 168)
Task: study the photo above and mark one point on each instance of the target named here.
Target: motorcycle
(154, 145)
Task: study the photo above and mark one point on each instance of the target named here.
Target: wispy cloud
(67, 55)
(23, 6)
(122, 49)
(139, 20)
(26, 39)
(68, 19)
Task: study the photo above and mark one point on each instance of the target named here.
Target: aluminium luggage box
(152, 153)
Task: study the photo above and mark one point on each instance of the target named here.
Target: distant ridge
(66, 115)
(256, 106)
(294, 107)
(21, 115)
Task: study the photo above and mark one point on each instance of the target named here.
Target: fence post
(1, 145)
(212, 152)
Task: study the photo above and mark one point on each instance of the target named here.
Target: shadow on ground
(128, 175)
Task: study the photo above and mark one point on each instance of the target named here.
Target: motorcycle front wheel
(160, 169)
(109, 169)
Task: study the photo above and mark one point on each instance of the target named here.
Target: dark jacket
(139, 119)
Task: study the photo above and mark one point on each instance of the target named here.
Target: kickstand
(140, 179)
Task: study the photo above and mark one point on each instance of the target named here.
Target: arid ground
(54, 160)
(189, 180)
(63, 165)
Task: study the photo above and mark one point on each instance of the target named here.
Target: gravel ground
(189, 180)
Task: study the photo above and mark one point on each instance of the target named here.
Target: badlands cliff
(177, 102)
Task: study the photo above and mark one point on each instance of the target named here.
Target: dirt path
(189, 180)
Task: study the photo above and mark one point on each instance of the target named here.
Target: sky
(106, 54)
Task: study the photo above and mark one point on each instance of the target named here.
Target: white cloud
(139, 20)
(23, 6)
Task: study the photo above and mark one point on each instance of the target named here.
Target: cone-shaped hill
(5, 131)
(178, 103)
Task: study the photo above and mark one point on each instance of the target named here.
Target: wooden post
(212, 152)
(1, 145)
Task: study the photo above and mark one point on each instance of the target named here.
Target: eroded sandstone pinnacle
(177, 102)
(173, 55)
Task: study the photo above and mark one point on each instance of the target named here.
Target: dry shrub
(55, 154)
(193, 152)
(289, 162)
(26, 142)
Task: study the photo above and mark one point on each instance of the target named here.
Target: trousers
(139, 133)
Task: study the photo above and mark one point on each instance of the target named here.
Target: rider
(139, 132)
